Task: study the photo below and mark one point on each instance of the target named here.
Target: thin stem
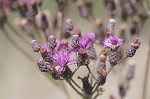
(16, 45)
(76, 84)
(94, 85)
(109, 70)
(74, 88)
(146, 74)
(122, 60)
(91, 72)
(96, 95)
(111, 67)
(93, 69)
(75, 70)
(96, 89)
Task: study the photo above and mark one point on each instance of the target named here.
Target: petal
(49, 50)
(60, 69)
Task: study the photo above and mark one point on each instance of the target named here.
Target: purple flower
(49, 50)
(85, 44)
(87, 41)
(113, 42)
(91, 37)
(62, 59)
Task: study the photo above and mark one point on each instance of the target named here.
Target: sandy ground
(21, 79)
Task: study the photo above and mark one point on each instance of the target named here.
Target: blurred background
(20, 77)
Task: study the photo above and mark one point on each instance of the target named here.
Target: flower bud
(23, 8)
(82, 52)
(112, 8)
(130, 70)
(111, 25)
(69, 24)
(134, 29)
(113, 58)
(103, 74)
(131, 52)
(46, 56)
(136, 43)
(63, 45)
(102, 64)
(100, 30)
(122, 33)
(67, 34)
(52, 41)
(83, 58)
(83, 10)
(122, 89)
(42, 65)
(102, 58)
(102, 77)
(26, 27)
(34, 8)
(92, 53)
(76, 32)
(142, 13)
(45, 67)
(35, 46)
(75, 41)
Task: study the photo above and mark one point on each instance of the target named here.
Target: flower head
(87, 41)
(76, 32)
(62, 59)
(84, 43)
(136, 43)
(63, 45)
(113, 42)
(91, 36)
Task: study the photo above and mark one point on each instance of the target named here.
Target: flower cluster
(58, 55)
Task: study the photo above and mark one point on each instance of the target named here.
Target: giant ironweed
(56, 59)
(59, 55)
